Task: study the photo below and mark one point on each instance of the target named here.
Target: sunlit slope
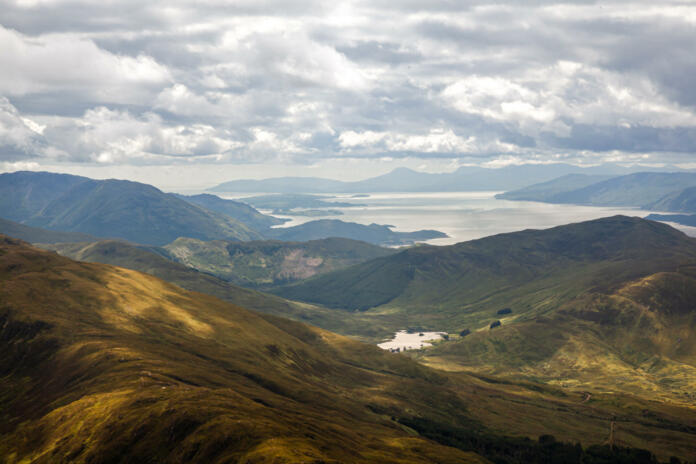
(103, 364)
(640, 338)
(150, 261)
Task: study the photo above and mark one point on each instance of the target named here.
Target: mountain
(237, 210)
(267, 263)
(682, 201)
(683, 219)
(374, 233)
(114, 209)
(37, 235)
(465, 178)
(547, 191)
(564, 286)
(643, 189)
(101, 364)
(24, 194)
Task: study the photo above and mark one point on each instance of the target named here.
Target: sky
(201, 92)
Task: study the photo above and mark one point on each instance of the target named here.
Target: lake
(404, 340)
(462, 215)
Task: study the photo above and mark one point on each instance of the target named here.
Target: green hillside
(101, 364)
(569, 321)
(114, 209)
(24, 194)
(268, 263)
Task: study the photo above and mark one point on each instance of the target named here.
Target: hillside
(680, 201)
(539, 276)
(38, 235)
(643, 189)
(242, 212)
(24, 194)
(547, 191)
(267, 263)
(157, 262)
(374, 233)
(116, 209)
(102, 364)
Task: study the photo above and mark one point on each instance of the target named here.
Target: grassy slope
(148, 260)
(264, 263)
(564, 288)
(102, 364)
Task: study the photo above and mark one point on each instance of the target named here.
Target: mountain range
(466, 178)
(143, 214)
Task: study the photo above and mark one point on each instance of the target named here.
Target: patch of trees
(464, 333)
(504, 311)
(495, 324)
(514, 450)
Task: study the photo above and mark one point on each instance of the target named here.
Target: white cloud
(58, 63)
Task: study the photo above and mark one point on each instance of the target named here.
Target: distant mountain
(407, 180)
(105, 364)
(683, 219)
(567, 288)
(240, 211)
(282, 185)
(643, 189)
(374, 233)
(37, 235)
(682, 201)
(548, 191)
(267, 263)
(112, 208)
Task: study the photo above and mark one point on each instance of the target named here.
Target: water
(410, 341)
(464, 215)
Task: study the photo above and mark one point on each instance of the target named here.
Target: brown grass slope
(101, 364)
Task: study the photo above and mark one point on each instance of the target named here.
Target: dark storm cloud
(252, 81)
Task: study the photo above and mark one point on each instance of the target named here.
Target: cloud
(301, 82)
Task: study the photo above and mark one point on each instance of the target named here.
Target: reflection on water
(464, 215)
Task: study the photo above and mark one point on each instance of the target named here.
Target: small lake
(404, 340)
